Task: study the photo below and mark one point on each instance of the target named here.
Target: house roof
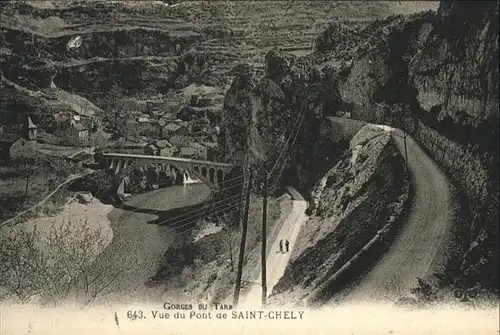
(188, 151)
(80, 127)
(31, 125)
(163, 144)
(143, 118)
(172, 126)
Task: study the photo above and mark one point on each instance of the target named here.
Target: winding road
(413, 254)
(276, 262)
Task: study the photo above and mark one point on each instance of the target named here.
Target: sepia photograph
(249, 167)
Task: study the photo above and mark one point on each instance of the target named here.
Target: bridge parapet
(210, 173)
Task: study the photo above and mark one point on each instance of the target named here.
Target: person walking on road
(287, 245)
(281, 246)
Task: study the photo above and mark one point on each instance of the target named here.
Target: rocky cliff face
(275, 121)
(443, 69)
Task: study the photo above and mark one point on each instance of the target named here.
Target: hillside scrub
(49, 261)
(352, 202)
(27, 177)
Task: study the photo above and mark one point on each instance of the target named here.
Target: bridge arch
(211, 175)
(220, 176)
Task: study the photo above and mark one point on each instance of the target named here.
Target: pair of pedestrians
(286, 244)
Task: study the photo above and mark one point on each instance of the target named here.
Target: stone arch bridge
(210, 173)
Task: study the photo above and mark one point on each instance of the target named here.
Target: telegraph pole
(264, 241)
(243, 240)
(406, 150)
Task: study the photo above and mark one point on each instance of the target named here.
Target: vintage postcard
(249, 167)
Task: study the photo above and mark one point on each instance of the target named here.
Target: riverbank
(142, 232)
(92, 215)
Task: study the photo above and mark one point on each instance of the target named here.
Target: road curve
(412, 254)
(276, 262)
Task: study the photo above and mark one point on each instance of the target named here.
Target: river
(140, 239)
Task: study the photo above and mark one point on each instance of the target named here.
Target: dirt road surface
(412, 254)
(276, 261)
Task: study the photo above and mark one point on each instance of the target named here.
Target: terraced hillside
(149, 47)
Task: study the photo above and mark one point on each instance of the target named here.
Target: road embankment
(349, 205)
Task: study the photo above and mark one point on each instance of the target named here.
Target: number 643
(132, 315)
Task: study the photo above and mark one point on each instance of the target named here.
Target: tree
(98, 183)
(55, 266)
(114, 116)
(29, 159)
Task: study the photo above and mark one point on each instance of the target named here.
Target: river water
(142, 232)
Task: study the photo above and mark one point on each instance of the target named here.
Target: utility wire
(297, 123)
(190, 220)
(201, 211)
(188, 228)
(207, 203)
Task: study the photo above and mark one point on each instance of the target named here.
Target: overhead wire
(297, 125)
(160, 210)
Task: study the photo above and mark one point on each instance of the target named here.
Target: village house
(187, 152)
(63, 120)
(171, 129)
(143, 125)
(78, 134)
(156, 107)
(16, 135)
(161, 148)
